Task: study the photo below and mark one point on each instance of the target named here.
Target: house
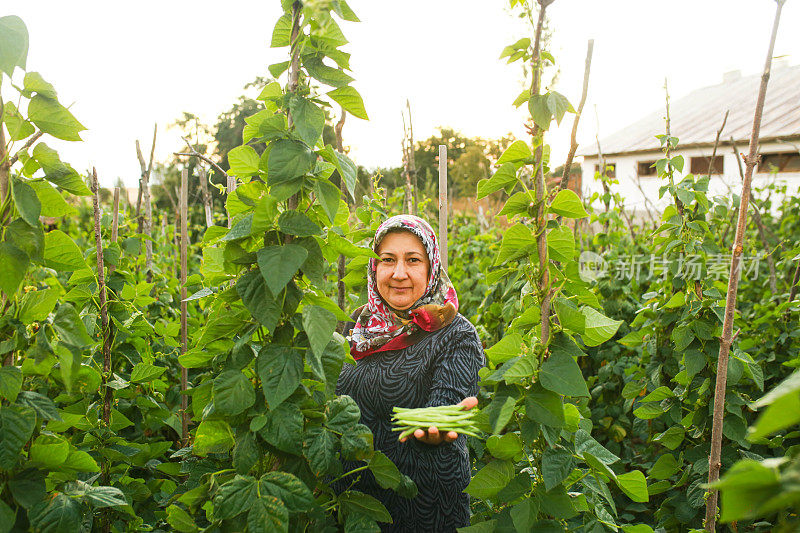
(695, 120)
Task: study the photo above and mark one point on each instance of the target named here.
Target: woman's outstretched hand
(434, 436)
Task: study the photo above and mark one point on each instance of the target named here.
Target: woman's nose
(399, 270)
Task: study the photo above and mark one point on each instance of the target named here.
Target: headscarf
(379, 327)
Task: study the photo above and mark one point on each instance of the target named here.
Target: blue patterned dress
(442, 369)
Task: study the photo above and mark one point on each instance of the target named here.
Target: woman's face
(402, 270)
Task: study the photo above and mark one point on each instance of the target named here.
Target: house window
(700, 165)
(611, 170)
(780, 162)
(646, 168)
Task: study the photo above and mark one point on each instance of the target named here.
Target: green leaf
(288, 160)
(634, 485)
(145, 372)
(350, 100)
(584, 443)
(15, 263)
(268, 515)
(53, 118)
(386, 473)
(57, 514)
(500, 411)
(105, 496)
(319, 324)
(661, 393)
(235, 497)
(10, 382)
(307, 118)
(540, 110)
(282, 33)
(246, 453)
(782, 413)
(346, 168)
(517, 152)
(323, 73)
(342, 413)
(18, 128)
(49, 451)
(599, 328)
(558, 104)
(34, 83)
(504, 178)
(26, 201)
(278, 264)
(671, 438)
(289, 489)
(280, 369)
(70, 327)
(252, 289)
(745, 488)
(13, 44)
(561, 244)
(557, 464)
(505, 446)
(53, 204)
(328, 195)
(16, 428)
(61, 252)
(561, 374)
(28, 486)
(490, 479)
(180, 520)
(648, 411)
(233, 393)
(319, 447)
(568, 204)
(243, 161)
(508, 347)
(358, 502)
(544, 407)
(7, 517)
(297, 223)
(664, 467)
(518, 241)
(284, 428)
(213, 436)
(57, 172)
(524, 514)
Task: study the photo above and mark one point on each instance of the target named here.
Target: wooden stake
(106, 329)
(341, 290)
(231, 188)
(147, 224)
(201, 175)
(443, 204)
(714, 464)
(574, 141)
(184, 332)
(115, 216)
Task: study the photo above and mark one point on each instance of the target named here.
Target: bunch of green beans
(445, 418)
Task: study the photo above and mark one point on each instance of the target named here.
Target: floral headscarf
(380, 328)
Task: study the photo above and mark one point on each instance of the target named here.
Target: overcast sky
(124, 66)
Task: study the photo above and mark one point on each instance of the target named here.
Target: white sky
(127, 65)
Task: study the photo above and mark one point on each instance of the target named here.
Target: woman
(413, 349)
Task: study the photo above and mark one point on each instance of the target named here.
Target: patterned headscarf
(380, 328)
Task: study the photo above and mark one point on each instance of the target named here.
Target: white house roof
(696, 117)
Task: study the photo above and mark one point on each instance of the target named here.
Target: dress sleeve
(455, 369)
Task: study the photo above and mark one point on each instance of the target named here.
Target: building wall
(634, 189)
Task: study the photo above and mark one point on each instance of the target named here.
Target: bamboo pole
(115, 216)
(341, 290)
(184, 207)
(147, 225)
(714, 464)
(443, 204)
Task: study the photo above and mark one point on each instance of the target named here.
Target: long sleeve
(455, 373)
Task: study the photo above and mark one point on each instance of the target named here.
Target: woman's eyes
(409, 260)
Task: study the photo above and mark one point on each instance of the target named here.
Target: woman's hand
(434, 436)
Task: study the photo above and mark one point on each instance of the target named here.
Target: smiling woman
(413, 349)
